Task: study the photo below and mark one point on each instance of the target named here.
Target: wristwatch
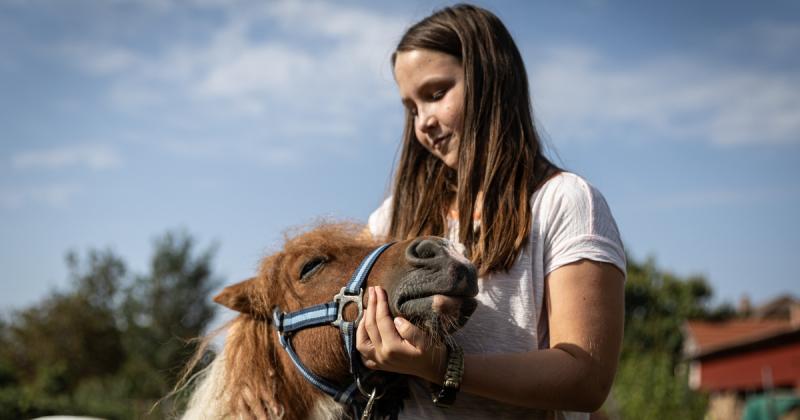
(445, 395)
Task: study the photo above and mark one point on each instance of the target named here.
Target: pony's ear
(239, 296)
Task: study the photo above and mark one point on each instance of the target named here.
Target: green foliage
(651, 381)
(657, 303)
(64, 325)
(112, 344)
(649, 387)
(162, 309)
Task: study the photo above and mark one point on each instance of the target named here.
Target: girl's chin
(451, 161)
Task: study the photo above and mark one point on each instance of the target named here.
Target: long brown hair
(499, 151)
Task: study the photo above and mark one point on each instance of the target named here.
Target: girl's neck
(452, 213)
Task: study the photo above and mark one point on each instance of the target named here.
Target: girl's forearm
(564, 378)
(576, 373)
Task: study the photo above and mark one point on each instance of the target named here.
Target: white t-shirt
(571, 221)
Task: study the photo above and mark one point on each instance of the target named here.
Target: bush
(648, 387)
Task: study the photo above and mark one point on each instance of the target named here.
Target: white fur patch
(326, 408)
(206, 402)
(456, 251)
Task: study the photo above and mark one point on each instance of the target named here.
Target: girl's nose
(427, 122)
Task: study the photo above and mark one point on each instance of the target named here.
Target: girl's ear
(239, 296)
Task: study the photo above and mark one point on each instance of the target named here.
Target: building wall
(724, 406)
(757, 369)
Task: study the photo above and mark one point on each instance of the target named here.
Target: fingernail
(398, 322)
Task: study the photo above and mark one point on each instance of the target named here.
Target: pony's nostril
(425, 249)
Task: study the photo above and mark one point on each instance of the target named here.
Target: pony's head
(426, 280)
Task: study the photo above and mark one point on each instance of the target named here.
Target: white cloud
(264, 69)
(98, 59)
(295, 66)
(779, 39)
(319, 59)
(55, 196)
(95, 157)
(719, 197)
(260, 152)
(113, 60)
(581, 95)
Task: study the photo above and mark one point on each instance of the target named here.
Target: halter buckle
(342, 299)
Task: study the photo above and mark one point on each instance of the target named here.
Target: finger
(410, 332)
(365, 348)
(370, 325)
(363, 343)
(384, 319)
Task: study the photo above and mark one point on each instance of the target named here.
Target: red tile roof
(704, 337)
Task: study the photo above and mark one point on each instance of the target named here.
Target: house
(742, 357)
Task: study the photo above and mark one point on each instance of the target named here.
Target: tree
(110, 345)
(648, 386)
(166, 308)
(651, 381)
(657, 303)
(80, 324)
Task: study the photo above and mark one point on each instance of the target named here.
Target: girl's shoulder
(565, 195)
(575, 222)
(565, 186)
(568, 197)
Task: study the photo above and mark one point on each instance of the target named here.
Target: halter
(332, 313)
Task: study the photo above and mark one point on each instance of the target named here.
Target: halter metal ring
(369, 394)
(342, 299)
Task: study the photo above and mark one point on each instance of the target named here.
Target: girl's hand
(396, 345)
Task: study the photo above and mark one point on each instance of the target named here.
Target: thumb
(410, 332)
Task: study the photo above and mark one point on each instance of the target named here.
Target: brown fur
(258, 379)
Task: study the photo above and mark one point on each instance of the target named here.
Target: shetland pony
(426, 280)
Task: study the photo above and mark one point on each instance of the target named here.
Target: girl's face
(431, 86)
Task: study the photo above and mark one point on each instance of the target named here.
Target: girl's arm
(586, 309)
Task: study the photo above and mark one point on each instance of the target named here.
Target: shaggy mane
(247, 379)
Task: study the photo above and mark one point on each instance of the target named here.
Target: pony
(427, 281)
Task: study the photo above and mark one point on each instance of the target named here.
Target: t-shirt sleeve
(580, 226)
(378, 222)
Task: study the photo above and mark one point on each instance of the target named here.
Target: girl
(545, 338)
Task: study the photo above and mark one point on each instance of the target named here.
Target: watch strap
(445, 395)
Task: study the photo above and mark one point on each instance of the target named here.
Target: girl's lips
(437, 143)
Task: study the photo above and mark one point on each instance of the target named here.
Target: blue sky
(236, 120)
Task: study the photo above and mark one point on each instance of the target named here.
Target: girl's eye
(311, 267)
(439, 94)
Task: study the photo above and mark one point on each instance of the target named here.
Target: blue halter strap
(331, 313)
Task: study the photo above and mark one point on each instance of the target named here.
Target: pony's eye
(311, 267)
